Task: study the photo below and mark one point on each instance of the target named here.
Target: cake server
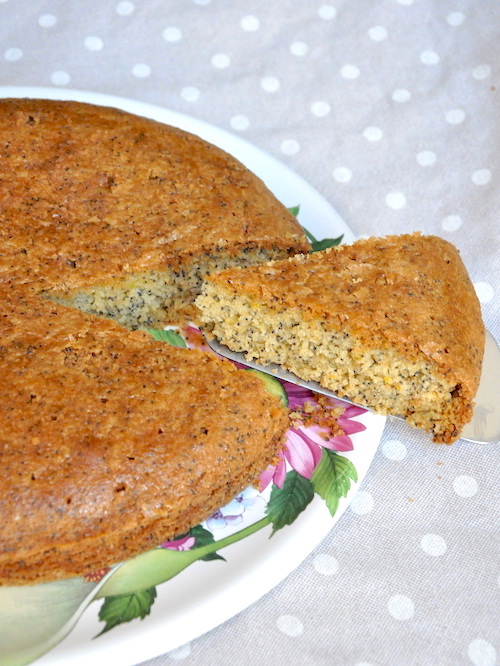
(485, 424)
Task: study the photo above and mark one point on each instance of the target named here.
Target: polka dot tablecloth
(390, 109)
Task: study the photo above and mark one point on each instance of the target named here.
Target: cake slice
(390, 323)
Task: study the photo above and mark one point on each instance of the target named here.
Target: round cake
(111, 442)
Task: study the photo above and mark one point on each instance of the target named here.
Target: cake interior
(381, 379)
(160, 296)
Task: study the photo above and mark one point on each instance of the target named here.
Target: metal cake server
(485, 424)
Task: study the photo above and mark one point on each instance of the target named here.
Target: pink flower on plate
(318, 423)
(184, 543)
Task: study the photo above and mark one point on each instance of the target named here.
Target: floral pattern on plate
(309, 464)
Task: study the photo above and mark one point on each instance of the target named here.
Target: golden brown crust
(111, 441)
(410, 292)
(93, 193)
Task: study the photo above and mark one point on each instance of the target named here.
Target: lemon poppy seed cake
(391, 323)
(112, 442)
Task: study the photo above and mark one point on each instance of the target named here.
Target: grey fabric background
(390, 109)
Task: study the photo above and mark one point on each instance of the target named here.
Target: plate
(169, 596)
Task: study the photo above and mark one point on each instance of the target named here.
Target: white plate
(208, 593)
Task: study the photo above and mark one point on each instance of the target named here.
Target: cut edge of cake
(144, 300)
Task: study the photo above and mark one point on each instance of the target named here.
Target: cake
(390, 323)
(110, 441)
(121, 216)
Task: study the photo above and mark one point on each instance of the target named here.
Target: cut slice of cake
(390, 323)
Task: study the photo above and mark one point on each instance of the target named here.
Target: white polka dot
(481, 72)
(451, 222)
(394, 449)
(190, 93)
(426, 158)
(181, 652)
(327, 12)
(60, 78)
(401, 607)
(202, 2)
(434, 545)
(325, 564)
(405, 2)
(481, 177)
(372, 133)
(342, 174)
(250, 23)
(172, 34)
(299, 48)
(401, 95)
(350, 72)
(482, 653)
(378, 33)
(395, 200)
(290, 625)
(290, 147)
(363, 663)
(465, 486)
(239, 122)
(221, 60)
(141, 70)
(362, 503)
(270, 84)
(455, 116)
(320, 109)
(125, 8)
(429, 57)
(93, 43)
(47, 20)
(13, 54)
(484, 291)
(455, 18)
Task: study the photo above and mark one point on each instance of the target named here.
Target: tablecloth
(390, 110)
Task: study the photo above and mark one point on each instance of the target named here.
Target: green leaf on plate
(204, 537)
(126, 607)
(294, 210)
(332, 478)
(169, 336)
(286, 503)
(272, 384)
(317, 245)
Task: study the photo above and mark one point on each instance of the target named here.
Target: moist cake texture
(111, 442)
(391, 323)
